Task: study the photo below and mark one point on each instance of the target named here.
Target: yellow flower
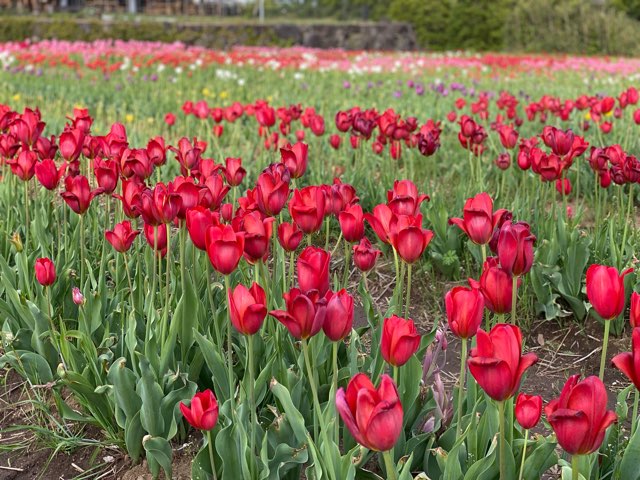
(609, 113)
(16, 97)
(270, 98)
(128, 118)
(587, 116)
(206, 92)
(224, 94)
(150, 120)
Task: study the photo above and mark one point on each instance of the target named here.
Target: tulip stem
(167, 290)
(406, 306)
(392, 474)
(154, 278)
(316, 403)
(634, 418)
(575, 471)
(26, 214)
(216, 326)
(327, 226)
(514, 299)
(400, 288)
(605, 342)
(524, 453)
(81, 251)
(292, 268)
(227, 283)
(347, 264)
(126, 267)
(463, 371)
(626, 224)
(503, 475)
(483, 248)
(252, 395)
(211, 458)
(335, 388)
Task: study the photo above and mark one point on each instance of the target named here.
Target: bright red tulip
(24, 166)
(400, 340)
(464, 307)
(48, 174)
(289, 236)
(203, 411)
(170, 119)
(352, 223)
(295, 158)
(479, 220)
(629, 362)
(257, 235)
(305, 314)
(215, 191)
(380, 220)
(508, 136)
(496, 286)
(364, 255)
(605, 290)
(78, 194)
(199, 219)
(130, 198)
(122, 236)
(528, 410)
(106, 173)
(190, 194)
(307, 208)
(234, 172)
(373, 416)
(45, 271)
(497, 362)
(313, 270)
(515, 248)
(225, 247)
(272, 189)
(159, 241)
(579, 417)
(71, 142)
(634, 311)
(339, 320)
(247, 308)
(409, 238)
(404, 198)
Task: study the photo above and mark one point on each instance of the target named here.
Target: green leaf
(151, 394)
(540, 459)
(158, 455)
(629, 466)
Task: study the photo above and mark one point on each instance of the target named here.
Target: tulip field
(289, 263)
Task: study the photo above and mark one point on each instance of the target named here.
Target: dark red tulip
(634, 310)
(528, 410)
(203, 411)
(130, 198)
(106, 173)
(272, 189)
(189, 192)
(508, 136)
(159, 241)
(257, 235)
(295, 158)
(352, 223)
(247, 308)
(380, 220)
(400, 340)
(497, 362)
(199, 219)
(496, 286)
(579, 417)
(464, 307)
(307, 208)
(409, 238)
(233, 171)
(563, 186)
(503, 161)
(189, 154)
(373, 416)
(225, 247)
(215, 192)
(334, 141)
(24, 166)
(157, 151)
(515, 248)
(48, 174)
(78, 194)
(629, 362)
(45, 272)
(479, 220)
(71, 142)
(305, 313)
(122, 236)
(160, 205)
(289, 236)
(364, 255)
(339, 320)
(404, 198)
(605, 290)
(313, 270)
(46, 148)
(559, 141)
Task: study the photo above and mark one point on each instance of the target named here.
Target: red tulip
(629, 362)
(48, 174)
(225, 247)
(497, 362)
(400, 340)
(122, 236)
(496, 286)
(313, 270)
(233, 172)
(130, 198)
(515, 248)
(339, 320)
(289, 236)
(579, 417)
(560, 142)
(106, 173)
(257, 235)
(247, 308)
(404, 198)
(295, 158)
(465, 307)
(203, 412)
(380, 220)
(605, 290)
(508, 136)
(634, 311)
(24, 165)
(159, 241)
(528, 410)
(563, 186)
(409, 238)
(170, 119)
(199, 219)
(77, 296)
(45, 272)
(189, 154)
(78, 194)
(352, 223)
(305, 313)
(364, 255)
(272, 189)
(373, 416)
(479, 220)
(71, 142)
(160, 205)
(334, 141)
(215, 191)
(307, 208)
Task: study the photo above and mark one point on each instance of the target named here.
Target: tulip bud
(400, 340)
(528, 410)
(16, 240)
(45, 272)
(78, 297)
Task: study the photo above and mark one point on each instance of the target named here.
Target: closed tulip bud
(307, 208)
(629, 362)
(234, 172)
(313, 270)
(515, 248)
(199, 219)
(16, 241)
(170, 119)
(503, 161)
(400, 340)
(479, 220)
(45, 272)
(289, 236)
(634, 311)
(122, 236)
(224, 247)
(563, 186)
(409, 238)
(305, 314)
(528, 410)
(497, 363)
(272, 189)
(365, 256)
(247, 308)
(78, 194)
(203, 411)
(352, 223)
(77, 296)
(48, 174)
(339, 320)
(496, 286)
(295, 158)
(508, 136)
(106, 173)
(257, 235)
(464, 307)
(579, 417)
(157, 242)
(605, 290)
(373, 416)
(334, 141)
